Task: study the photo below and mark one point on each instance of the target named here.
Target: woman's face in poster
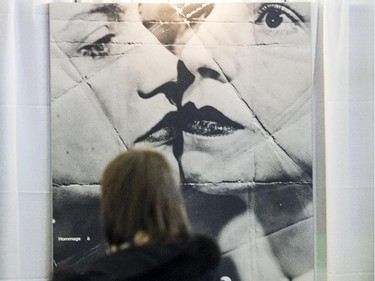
(106, 50)
(252, 63)
(239, 112)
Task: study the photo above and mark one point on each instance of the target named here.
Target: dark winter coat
(194, 260)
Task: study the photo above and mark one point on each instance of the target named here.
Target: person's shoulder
(204, 249)
(194, 259)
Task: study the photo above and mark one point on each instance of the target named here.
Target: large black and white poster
(224, 90)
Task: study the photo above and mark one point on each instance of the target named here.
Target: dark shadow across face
(245, 130)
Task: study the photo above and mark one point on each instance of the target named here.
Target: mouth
(205, 122)
(162, 133)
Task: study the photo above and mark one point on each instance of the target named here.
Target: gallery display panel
(224, 90)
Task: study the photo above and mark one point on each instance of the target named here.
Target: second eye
(273, 15)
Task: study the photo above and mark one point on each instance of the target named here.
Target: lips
(209, 129)
(162, 133)
(206, 122)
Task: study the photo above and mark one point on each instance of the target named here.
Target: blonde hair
(141, 194)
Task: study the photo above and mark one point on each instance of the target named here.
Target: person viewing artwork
(223, 90)
(146, 226)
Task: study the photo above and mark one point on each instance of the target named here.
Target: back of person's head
(141, 195)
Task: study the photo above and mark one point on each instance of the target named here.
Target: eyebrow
(113, 11)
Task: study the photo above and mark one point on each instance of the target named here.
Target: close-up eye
(99, 48)
(273, 15)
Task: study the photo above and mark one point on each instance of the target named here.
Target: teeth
(209, 128)
(162, 135)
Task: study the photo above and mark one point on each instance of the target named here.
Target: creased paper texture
(224, 90)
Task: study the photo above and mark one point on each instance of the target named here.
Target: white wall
(349, 115)
(25, 196)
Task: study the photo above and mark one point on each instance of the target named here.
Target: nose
(201, 61)
(155, 70)
(173, 90)
(207, 57)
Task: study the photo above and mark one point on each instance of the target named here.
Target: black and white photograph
(223, 90)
